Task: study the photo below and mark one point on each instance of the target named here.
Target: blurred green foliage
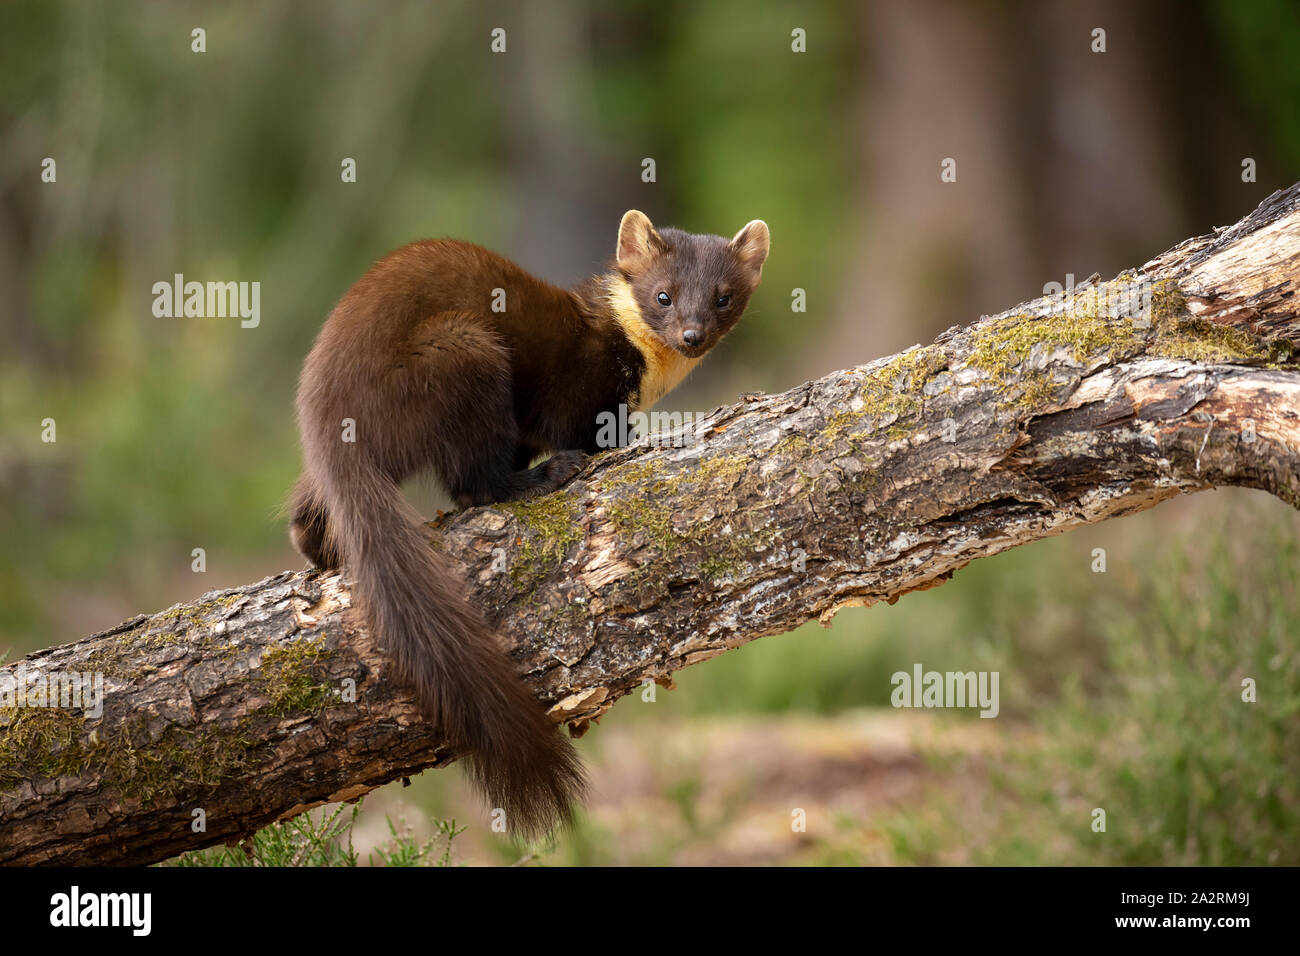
(1261, 38)
(1188, 770)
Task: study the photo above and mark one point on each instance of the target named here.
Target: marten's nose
(692, 338)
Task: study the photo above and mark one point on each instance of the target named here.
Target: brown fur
(435, 381)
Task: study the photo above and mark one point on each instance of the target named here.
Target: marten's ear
(750, 246)
(638, 242)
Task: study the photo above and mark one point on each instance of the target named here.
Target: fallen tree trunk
(257, 703)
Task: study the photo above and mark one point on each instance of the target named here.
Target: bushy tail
(444, 650)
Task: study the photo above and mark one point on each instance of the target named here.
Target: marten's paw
(539, 480)
(561, 467)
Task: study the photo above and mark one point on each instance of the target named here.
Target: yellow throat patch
(665, 367)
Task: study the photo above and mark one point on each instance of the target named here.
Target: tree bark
(257, 703)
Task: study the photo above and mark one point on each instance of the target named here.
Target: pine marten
(436, 380)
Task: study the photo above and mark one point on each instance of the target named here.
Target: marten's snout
(693, 340)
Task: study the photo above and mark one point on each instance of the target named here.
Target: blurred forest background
(1119, 690)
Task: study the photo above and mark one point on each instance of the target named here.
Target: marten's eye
(723, 301)
(663, 299)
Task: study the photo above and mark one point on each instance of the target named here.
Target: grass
(325, 838)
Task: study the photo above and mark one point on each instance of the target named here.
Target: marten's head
(688, 291)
